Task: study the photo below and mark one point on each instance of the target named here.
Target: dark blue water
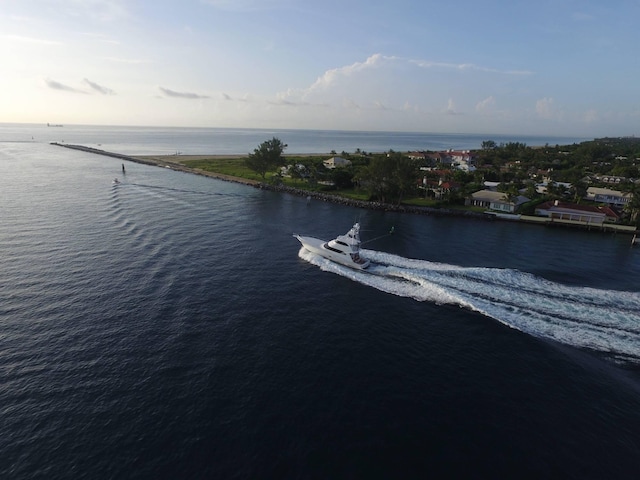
(171, 327)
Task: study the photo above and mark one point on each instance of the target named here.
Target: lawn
(234, 167)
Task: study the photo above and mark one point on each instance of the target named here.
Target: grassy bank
(232, 166)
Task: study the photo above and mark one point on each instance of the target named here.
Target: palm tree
(633, 206)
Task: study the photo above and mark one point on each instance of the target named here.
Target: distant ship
(54, 125)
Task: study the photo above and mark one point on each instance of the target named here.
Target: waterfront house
(419, 156)
(543, 188)
(588, 214)
(336, 162)
(498, 201)
(300, 169)
(606, 195)
(440, 188)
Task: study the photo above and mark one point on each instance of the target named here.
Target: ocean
(170, 326)
(223, 141)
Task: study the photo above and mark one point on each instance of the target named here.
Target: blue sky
(564, 67)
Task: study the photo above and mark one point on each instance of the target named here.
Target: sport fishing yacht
(345, 249)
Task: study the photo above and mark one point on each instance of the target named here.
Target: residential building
(498, 201)
(440, 188)
(589, 214)
(336, 162)
(606, 195)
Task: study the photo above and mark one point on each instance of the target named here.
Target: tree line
(393, 177)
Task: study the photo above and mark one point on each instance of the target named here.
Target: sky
(544, 67)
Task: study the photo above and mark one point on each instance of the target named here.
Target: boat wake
(599, 320)
(165, 188)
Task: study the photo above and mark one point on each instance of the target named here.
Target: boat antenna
(381, 236)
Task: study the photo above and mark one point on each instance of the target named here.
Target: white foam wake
(602, 320)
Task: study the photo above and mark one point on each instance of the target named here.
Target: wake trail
(181, 190)
(601, 320)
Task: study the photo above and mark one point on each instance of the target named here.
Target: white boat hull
(317, 246)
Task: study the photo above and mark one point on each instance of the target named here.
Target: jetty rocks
(325, 197)
(371, 205)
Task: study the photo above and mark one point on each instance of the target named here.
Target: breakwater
(102, 152)
(325, 197)
(157, 162)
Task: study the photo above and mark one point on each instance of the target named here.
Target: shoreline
(164, 162)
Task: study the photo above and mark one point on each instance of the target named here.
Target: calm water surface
(171, 327)
(171, 140)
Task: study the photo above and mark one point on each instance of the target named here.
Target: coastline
(165, 161)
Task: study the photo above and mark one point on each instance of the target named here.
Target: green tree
(488, 145)
(376, 176)
(405, 176)
(633, 207)
(510, 191)
(579, 191)
(390, 177)
(342, 178)
(266, 157)
(531, 191)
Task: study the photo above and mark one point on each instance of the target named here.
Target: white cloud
(378, 105)
(391, 76)
(486, 105)
(187, 95)
(451, 108)
(408, 107)
(99, 88)
(55, 85)
(245, 5)
(467, 67)
(32, 40)
(591, 116)
(100, 10)
(100, 37)
(128, 61)
(544, 108)
(330, 77)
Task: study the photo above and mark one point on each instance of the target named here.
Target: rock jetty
(325, 197)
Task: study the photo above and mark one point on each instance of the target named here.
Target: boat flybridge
(345, 249)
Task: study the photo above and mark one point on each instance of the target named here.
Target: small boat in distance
(345, 249)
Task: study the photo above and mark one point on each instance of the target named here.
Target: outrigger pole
(381, 236)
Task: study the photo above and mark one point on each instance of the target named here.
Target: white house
(542, 188)
(336, 162)
(498, 201)
(493, 186)
(462, 160)
(588, 214)
(606, 195)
